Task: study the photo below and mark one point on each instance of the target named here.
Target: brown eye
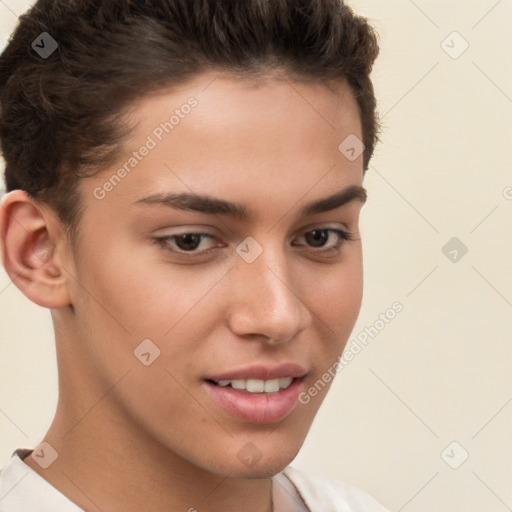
(184, 243)
(327, 239)
(317, 238)
(188, 241)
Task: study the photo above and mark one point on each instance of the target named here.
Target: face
(213, 262)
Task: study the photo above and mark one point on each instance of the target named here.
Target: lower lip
(256, 407)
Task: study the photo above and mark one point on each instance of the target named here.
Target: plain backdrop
(421, 418)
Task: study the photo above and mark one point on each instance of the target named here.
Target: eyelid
(163, 241)
(195, 229)
(338, 226)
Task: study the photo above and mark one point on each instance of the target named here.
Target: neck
(105, 463)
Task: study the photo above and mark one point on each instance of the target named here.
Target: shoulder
(329, 495)
(22, 489)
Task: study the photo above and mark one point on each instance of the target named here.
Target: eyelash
(344, 236)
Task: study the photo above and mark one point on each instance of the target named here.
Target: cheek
(145, 295)
(335, 294)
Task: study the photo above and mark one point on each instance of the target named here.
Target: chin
(251, 462)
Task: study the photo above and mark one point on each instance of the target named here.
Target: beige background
(441, 370)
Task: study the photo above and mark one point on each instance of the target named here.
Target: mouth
(256, 385)
(256, 400)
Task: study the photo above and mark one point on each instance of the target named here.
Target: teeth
(255, 385)
(271, 386)
(258, 385)
(238, 384)
(285, 382)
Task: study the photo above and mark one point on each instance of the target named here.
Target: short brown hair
(60, 115)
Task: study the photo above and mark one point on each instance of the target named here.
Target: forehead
(238, 138)
(230, 98)
(228, 106)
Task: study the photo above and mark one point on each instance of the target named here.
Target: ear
(29, 234)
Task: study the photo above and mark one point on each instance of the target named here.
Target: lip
(260, 408)
(262, 372)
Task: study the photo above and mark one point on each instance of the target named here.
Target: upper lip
(262, 372)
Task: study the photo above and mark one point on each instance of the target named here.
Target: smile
(254, 400)
(257, 385)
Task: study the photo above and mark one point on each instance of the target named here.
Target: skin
(132, 437)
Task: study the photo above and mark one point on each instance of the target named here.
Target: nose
(265, 299)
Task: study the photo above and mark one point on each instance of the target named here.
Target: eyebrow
(212, 205)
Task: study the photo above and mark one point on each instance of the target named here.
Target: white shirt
(24, 490)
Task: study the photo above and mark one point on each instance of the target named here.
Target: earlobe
(29, 251)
